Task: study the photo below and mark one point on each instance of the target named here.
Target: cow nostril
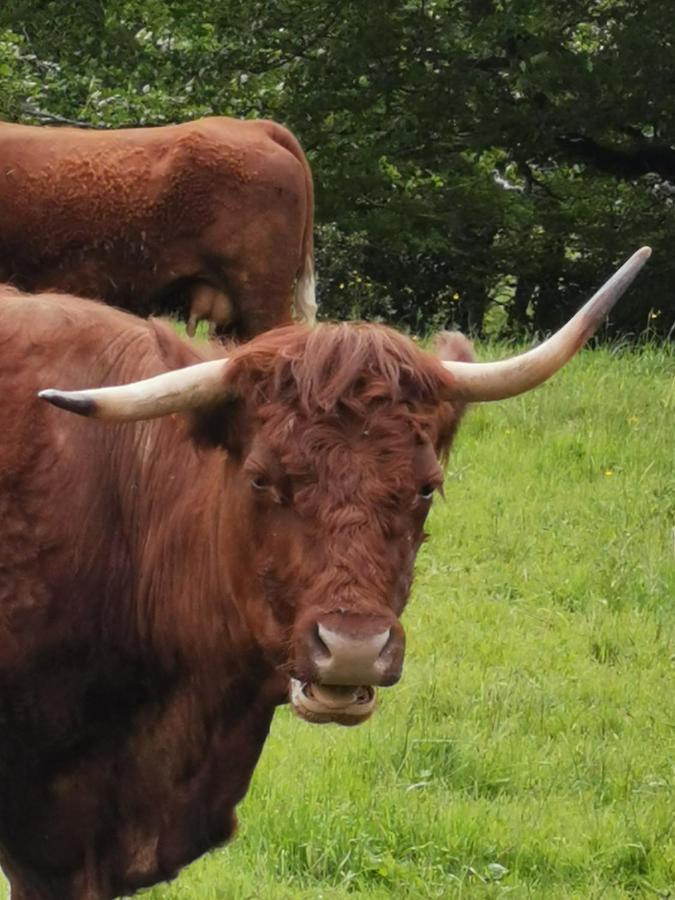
(319, 649)
(381, 642)
(387, 641)
(385, 638)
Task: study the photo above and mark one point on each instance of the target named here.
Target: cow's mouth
(321, 703)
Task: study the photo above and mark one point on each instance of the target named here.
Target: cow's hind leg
(262, 301)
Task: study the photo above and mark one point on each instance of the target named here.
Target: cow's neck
(182, 526)
(190, 607)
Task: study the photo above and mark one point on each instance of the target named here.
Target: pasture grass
(530, 746)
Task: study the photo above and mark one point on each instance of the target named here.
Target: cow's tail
(305, 288)
(304, 300)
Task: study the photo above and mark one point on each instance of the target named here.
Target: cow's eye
(259, 483)
(427, 491)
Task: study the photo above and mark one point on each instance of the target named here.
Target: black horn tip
(83, 406)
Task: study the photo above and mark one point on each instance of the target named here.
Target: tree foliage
(478, 162)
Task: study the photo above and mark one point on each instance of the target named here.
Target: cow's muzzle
(340, 658)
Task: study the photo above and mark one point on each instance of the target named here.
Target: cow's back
(96, 212)
(62, 186)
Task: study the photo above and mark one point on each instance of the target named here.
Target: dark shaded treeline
(480, 163)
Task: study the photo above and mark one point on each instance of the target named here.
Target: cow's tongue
(343, 704)
(338, 696)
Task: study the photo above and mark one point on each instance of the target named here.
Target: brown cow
(136, 215)
(164, 585)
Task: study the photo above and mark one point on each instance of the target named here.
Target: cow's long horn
(477, 382)
(175, 391)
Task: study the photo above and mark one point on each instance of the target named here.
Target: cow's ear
(220, 425)
(225, 425)
(453, 345)
(450, 345)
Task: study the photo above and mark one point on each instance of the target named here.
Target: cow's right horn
(170, 392)
(476, 382)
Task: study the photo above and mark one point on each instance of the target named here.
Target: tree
(469, 156)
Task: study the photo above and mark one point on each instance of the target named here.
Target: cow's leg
(191, 326)
(261, 302)
(261, 317)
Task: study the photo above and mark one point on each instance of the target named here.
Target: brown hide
(153, 603)
(138, 217)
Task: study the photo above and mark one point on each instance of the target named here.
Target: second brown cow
(134, 216)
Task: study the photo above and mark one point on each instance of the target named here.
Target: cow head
(334, 439)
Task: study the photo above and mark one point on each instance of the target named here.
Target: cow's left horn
(477, 382)
(175, 391)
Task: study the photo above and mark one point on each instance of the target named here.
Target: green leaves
(470, 143)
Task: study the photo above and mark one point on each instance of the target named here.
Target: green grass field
(530, 746)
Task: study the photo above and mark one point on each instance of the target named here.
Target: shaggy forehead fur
(332, 369)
